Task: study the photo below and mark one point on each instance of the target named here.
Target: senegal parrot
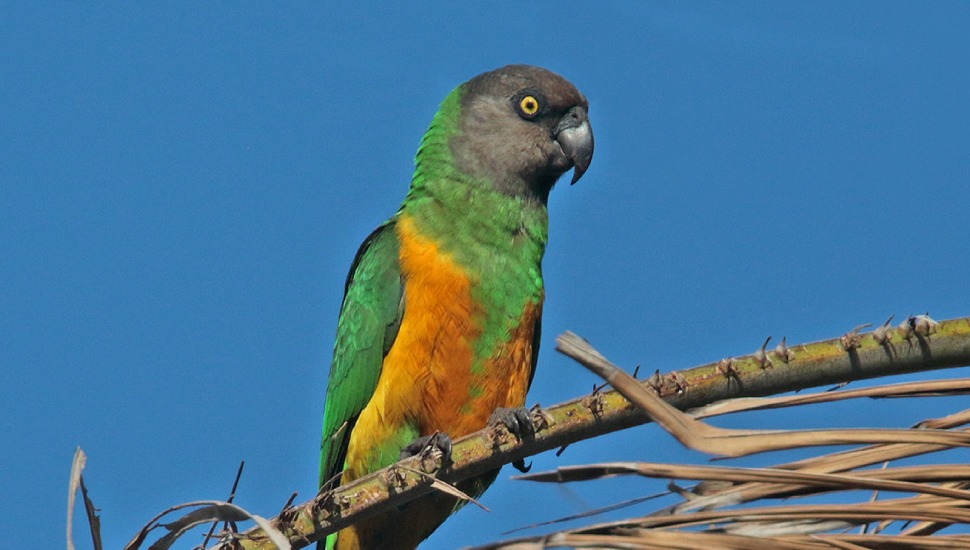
(439, 326)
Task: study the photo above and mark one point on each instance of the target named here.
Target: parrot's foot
(518, 421)
(435, 450)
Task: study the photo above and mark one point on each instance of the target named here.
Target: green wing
(369, 320)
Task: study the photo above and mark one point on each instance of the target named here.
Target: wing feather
(369, 320)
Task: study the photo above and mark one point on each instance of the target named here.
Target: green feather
(368, 323)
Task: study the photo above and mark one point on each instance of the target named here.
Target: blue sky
(184, 186)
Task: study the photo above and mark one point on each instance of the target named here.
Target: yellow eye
(529, 106)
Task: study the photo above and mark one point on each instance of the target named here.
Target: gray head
(522, 127)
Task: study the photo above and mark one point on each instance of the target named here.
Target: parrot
(438, 332)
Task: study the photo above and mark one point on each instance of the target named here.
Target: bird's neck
(470, 218)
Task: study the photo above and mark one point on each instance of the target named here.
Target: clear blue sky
(183, 188)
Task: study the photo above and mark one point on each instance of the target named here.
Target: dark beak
(575, 136)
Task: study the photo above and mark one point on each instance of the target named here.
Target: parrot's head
(522, 127)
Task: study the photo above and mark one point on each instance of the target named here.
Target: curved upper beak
(575, 136)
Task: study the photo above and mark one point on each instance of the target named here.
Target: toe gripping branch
(434, 450)
(518, 422)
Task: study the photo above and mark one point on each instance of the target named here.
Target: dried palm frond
(742, 507)
(809, 503)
